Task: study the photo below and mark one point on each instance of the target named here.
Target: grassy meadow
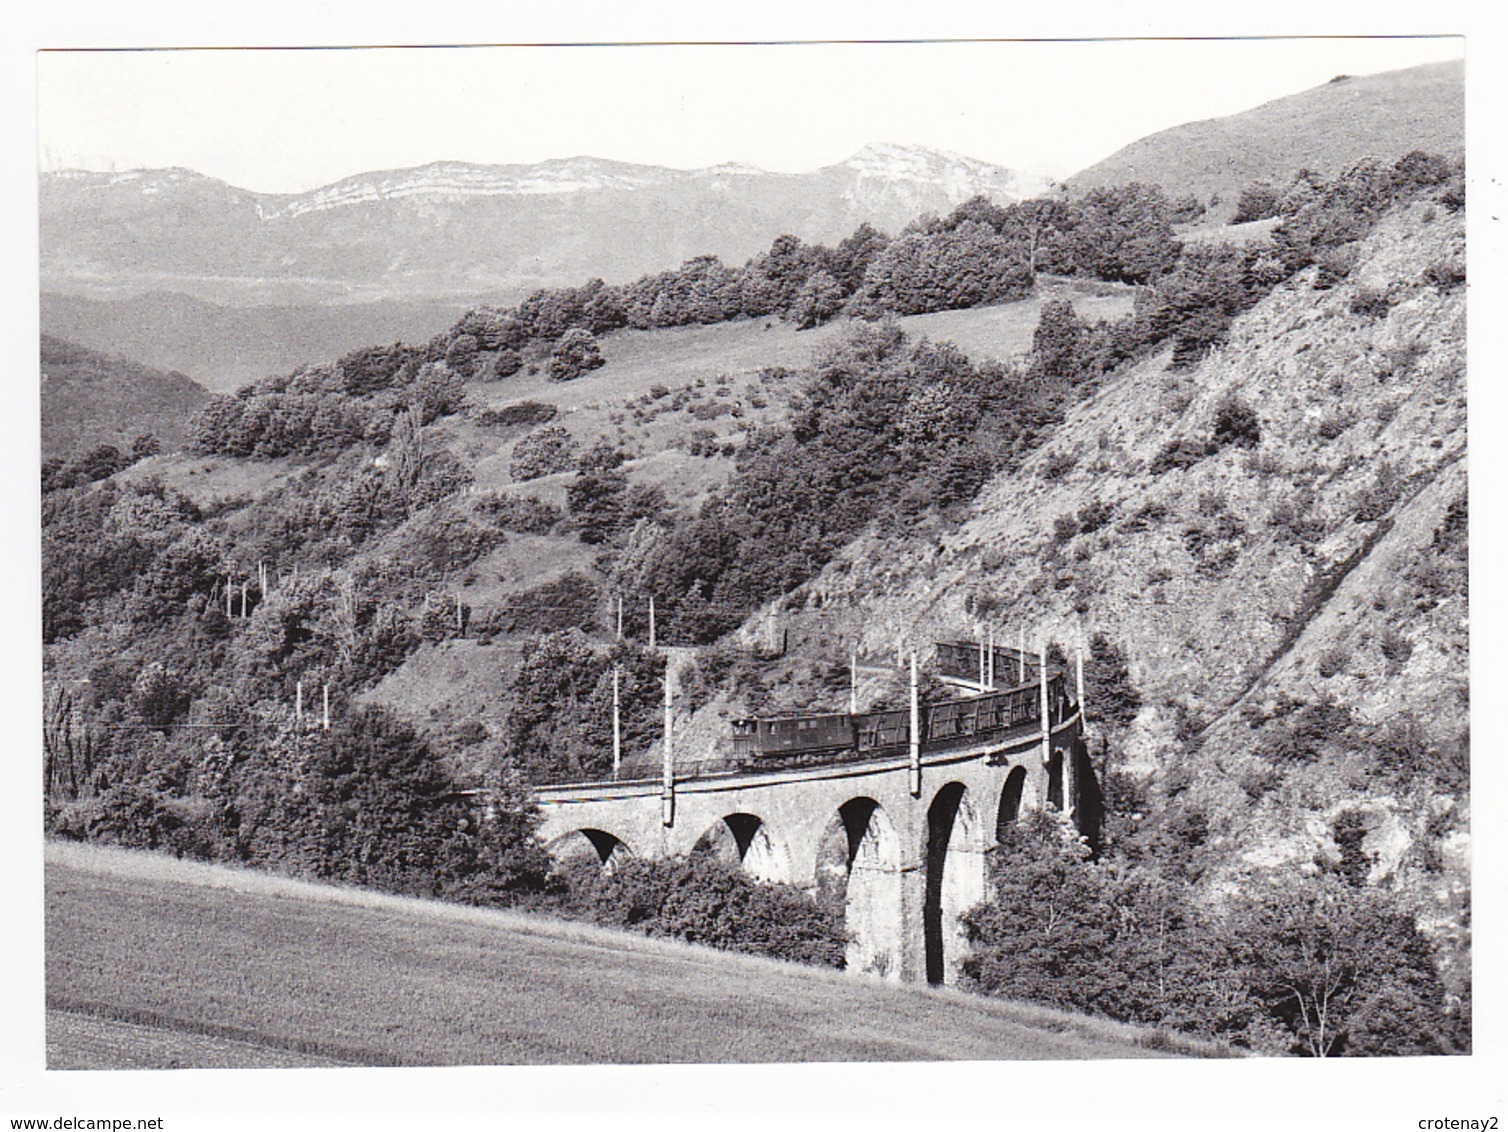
(155, 963)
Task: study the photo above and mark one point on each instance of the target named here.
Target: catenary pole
(916, 735)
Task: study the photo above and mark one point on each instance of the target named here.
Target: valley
(403, 567)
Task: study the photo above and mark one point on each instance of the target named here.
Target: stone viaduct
(899, 839)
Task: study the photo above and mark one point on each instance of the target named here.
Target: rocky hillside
(90, 399)
(457, 231)
(1326, 129)
(1277, 539)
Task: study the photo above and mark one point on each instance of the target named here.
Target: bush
(1396, 648)
(1335, 423)
(507, 363)
(1256, 202)
(1371, 303)
(1058, 464)
(1335, 264)
(1377, 498)
(1236, 423)
(547, 452)
(1332, 661)
(700, 899)
(1298, 733)
(522, 514)
(518, 413)
(1445, 275)
(1181, 453)
(1094, 515)
(1400, 361)
(576, 353)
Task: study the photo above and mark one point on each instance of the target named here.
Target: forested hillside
(89, 400)
(1192, 456)
(1266, 538)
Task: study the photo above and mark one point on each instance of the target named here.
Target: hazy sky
(285, 120)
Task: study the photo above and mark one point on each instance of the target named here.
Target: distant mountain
(1326, 129)
(457, 231)
(89, 398)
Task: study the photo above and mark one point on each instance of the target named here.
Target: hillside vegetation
(1327, 129)
(90, 399)
(1233, 470)
(1274, 538)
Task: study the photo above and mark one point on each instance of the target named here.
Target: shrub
(1148, 515)
(1335, 264)
(1236, 423)
(1335, 423)
(1377, 498)
(700, 899)
(1399, 361)
(1396, 648)
(570, 602)
(1445, 275)
(1332, 661)
(546, 452)
(1094, 515)
(522, 514)
(1181, 453)
(576, 353)
(1453, 196)
(1058, 464)
(1298, 732)
(507, 363)
(1370, 303)
(1256, 202)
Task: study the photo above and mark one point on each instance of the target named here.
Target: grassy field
(155, 963)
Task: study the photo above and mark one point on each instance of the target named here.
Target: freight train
(799, 739)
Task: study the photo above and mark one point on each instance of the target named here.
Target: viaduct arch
(902, 852)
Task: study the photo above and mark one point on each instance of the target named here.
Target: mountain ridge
(460, 230)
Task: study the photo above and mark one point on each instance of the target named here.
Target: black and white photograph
(748, 551)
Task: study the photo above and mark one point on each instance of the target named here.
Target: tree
(1256, 202)
(1111, 696)
(595, 501)
(701, 899)
(406, 456)
(848, 261)
(1058, 343)
(575, 354)
(386, 808)
(1125, 233)
(461, 354)
(507, 363)
(818, 300)
(1339, 969)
